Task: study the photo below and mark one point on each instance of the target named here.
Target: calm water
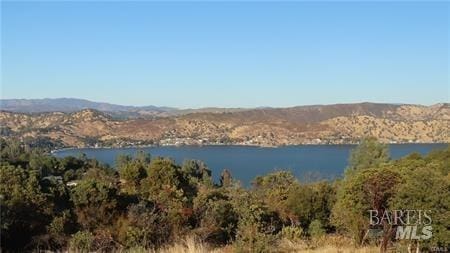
(245, 163)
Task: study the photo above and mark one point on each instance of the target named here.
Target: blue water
(308, 162)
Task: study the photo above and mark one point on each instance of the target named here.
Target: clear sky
(223, 54)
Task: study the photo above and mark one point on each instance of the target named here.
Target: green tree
(368, 154)
(258, 227)
(95, 203)
(196, 172)
(215, 216)
(131, 175)
(425, 188)
(142, 157)
(132, 170)
(148, 225)
(226, 179)
(164, 185)
(123, 160)
(163, 180)
(25, 209)
(82, 241)
(275, 188)
(310, 202)
(46, 165)
(316, 229)
(359, 192)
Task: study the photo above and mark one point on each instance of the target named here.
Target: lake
(307, 162)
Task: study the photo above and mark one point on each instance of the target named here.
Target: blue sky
(223, 54)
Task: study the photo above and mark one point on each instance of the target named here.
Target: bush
(215, 219)
(95, 203)
(292, 233)
(149, 226)
(59, 229)
(316, 229)
(258, 228)
(249, 239)
(82, 241)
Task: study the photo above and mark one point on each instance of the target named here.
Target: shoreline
(54, 151)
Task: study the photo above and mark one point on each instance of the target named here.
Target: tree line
(80, 204)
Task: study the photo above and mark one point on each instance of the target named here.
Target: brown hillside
(342, 123)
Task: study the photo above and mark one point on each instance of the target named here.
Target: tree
(164, 186)
(132, 170)
(101, 174)
(72, 163)
(82, 241)
(131, 175)
(425, 188)
(46, 165)
(258, 227)
(316, 229)
(226, 179)
(275, 188)
(380, 189)
(25, 211)
(142, 157)
(359, 192)
(440, 158)
(216, 219)
(425, 185)
(122, 161)
(149, 225)
(162, 181)
(11, 150)
(312, 202)
(95, 203)
(368, 154)
(196, 172)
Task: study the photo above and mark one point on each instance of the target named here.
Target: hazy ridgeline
(152, 203)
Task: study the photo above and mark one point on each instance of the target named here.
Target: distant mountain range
(102, 124)
(74, 104)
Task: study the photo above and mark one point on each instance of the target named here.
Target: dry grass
(332, 249)
(188, 245)
(324, 245)
(328, 244)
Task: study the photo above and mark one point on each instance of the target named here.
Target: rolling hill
(318, 124)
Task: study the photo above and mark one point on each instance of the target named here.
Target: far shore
(233, 145)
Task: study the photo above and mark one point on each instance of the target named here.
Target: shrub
(249, 239)
(59, 229)
(95, 203)
(275, 188)
(149, 226)
(82, 241)
(292, 233)
(258, 228)
(316, 229)
(217, 219)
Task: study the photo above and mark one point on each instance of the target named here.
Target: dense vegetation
(148, 202)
